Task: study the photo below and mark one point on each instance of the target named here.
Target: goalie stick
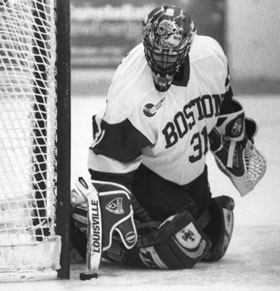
(94, 229)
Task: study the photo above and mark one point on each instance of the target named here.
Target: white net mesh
(27, 131)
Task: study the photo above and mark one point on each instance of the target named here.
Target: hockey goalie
(170, 103)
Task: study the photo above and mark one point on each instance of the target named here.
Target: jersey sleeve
(116, 151)
(226, 105)
(120, 133)
(223, 68)
(120, 141)
(213, 67)
(223, 73)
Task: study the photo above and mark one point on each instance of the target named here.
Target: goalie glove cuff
(235, 125)
(232, 125)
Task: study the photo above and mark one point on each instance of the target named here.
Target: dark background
(103, 31)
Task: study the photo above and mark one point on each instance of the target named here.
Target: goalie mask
(168, 33)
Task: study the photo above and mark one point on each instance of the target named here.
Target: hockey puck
(88, 276)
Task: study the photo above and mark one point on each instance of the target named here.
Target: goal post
(63, 212)
(34, 139)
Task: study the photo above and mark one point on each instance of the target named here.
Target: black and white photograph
(139, 145)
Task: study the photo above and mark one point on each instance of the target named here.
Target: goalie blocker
(177, 243)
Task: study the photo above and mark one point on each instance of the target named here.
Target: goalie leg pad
(220, 227)
(178, 243)
(185, 247)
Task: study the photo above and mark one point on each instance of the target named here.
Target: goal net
(31, 240)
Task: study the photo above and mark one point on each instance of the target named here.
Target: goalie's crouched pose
(169, 104)
(132, 237)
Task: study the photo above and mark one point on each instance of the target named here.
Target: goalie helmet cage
(34, 139)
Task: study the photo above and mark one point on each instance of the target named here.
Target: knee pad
(220, 227)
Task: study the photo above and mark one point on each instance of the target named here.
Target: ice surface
(252, 261)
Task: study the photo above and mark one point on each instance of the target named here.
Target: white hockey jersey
(166, 131)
